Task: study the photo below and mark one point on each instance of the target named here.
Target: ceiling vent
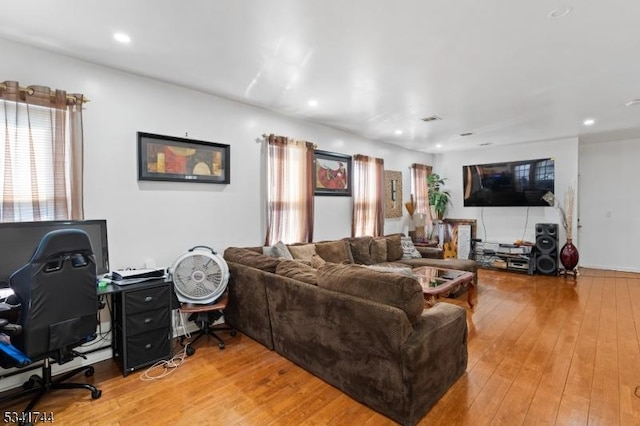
(466, 134)
(486, 144)
(432, 118)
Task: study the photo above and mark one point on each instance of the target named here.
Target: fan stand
(204, 316)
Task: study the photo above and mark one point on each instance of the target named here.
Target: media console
(510, 257)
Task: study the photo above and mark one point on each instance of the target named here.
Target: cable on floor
(483, 227)
(162, 369)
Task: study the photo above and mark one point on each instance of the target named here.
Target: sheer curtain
(40, 154)
(289, 190)
(419, 188)
(368, 212)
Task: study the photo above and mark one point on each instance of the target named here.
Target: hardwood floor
(542, 350)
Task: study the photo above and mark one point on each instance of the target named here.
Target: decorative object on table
(569, 255)
(411, 208)
(393, 194)
(332, 173)
(438, 199)
(166, 158)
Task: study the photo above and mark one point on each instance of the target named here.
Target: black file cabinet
(142, 325)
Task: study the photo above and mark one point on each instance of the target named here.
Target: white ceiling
(501, 69)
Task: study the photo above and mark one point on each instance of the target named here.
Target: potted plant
(438, 199)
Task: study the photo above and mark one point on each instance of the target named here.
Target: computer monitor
(18, 242)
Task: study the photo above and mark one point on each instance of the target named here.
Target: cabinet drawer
(146, 348)
(147, 299)
(147, 321)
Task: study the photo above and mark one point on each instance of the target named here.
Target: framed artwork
(392, 194)
(167, 158)
(332, 173)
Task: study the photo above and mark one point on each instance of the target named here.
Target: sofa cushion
(251, 258)
(378, 250)
(297, 270)
(317, 261)
(361, 250)
(383, 287)
(335, 251)
(302, 251)
(394, 247)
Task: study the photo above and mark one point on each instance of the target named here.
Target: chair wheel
(221, 345)
(190, 350)
(233, 333)
(89, 372)
(96, 394)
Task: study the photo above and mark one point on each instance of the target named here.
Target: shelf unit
(510, 257)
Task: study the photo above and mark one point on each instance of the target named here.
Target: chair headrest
(62, 241)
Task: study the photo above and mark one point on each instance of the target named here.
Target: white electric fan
(199, 276)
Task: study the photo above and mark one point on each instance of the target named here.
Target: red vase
(569, 255)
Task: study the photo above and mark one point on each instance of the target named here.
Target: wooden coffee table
(438, 282)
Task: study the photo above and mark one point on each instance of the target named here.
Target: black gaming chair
(59, 305)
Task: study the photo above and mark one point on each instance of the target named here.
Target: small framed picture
(166, 158)
(332, 173)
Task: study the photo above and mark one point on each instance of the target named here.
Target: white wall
(158, 220)
(507, 224)
(609, 205)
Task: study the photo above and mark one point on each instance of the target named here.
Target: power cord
(483, 227)
(526, 223)
(162, 369)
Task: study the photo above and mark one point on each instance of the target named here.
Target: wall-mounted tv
(513, 183)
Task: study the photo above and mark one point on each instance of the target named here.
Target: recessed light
(632, 102)
(589, 122)
(438, 145)
(122, 37)
(398, 132)
(560, 12)
(313, 103)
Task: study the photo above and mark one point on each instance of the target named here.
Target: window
(419, 188)
(40, 154)
(368, 213)
(289, 191)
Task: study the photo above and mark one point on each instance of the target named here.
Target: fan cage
(199, 276)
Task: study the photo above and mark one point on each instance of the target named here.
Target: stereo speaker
(546, 257)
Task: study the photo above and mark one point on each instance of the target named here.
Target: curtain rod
(30, 91)
(266, 136)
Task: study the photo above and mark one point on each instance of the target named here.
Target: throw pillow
(335, 251)
(268, 251)
(281, 251)
(394, 247)
(317, 261)
(379, 250)
(407, 271)
(409, 251)
(302, 251)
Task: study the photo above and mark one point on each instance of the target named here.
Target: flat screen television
(18, 242)
(512, 183)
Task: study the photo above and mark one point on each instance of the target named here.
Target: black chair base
(206, 329)
(40, 385)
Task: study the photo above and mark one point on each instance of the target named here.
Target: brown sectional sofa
(362, 330)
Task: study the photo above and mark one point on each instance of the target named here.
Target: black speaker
(547, 248)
